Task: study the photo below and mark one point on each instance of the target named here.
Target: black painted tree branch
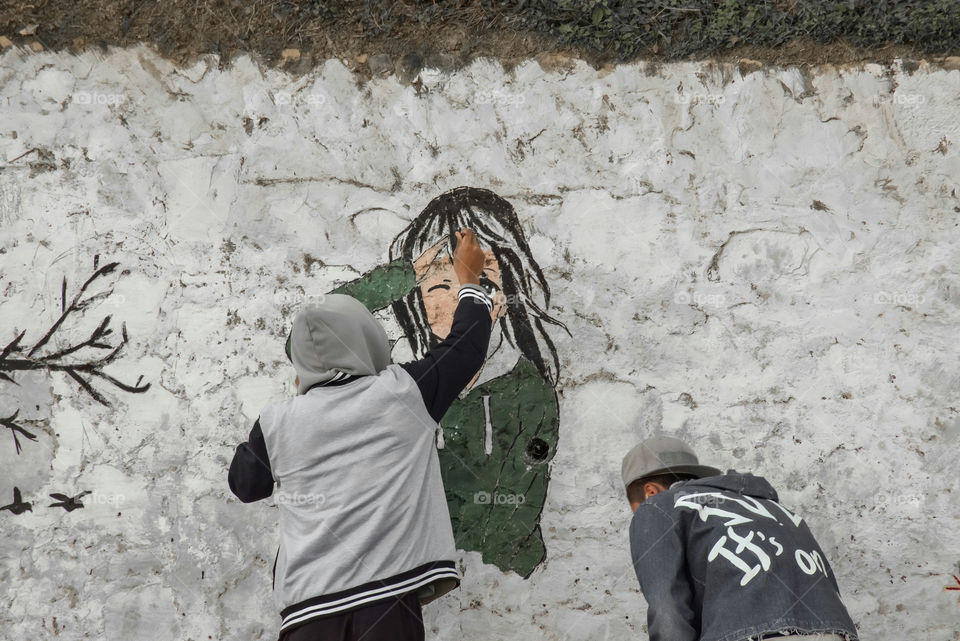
(11, 424)
(16, 358)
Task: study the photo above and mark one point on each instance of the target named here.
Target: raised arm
(447, 368)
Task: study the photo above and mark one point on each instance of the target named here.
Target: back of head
(336, 334)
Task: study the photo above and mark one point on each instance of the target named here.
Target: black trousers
(395, 619)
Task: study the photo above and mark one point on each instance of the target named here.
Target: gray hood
(337, 334)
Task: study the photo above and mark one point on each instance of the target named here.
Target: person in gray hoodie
(365, 532)
(720, 559)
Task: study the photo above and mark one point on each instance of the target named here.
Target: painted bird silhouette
(19, 506)
(69, 503)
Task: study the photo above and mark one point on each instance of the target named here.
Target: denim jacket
(719, 559)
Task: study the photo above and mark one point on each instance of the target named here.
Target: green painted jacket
(495, 500)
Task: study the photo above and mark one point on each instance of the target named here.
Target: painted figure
(498, 438)
(719, 558)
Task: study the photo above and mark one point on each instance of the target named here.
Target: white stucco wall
(765, 265)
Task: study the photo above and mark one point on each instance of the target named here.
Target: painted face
(439, 285)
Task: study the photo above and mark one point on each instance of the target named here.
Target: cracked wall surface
(762, 263)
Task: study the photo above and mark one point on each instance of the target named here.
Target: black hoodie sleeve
(250, 476)
(447, 368)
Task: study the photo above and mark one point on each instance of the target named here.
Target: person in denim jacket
(719, 558)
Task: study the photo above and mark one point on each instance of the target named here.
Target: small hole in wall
(537, 450)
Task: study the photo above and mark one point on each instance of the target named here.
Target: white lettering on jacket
(745, 552)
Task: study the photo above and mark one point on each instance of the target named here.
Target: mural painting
(83, 360)
(499, 437)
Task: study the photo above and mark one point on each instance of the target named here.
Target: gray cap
(662, 455)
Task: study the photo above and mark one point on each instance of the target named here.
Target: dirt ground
(183, 29)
